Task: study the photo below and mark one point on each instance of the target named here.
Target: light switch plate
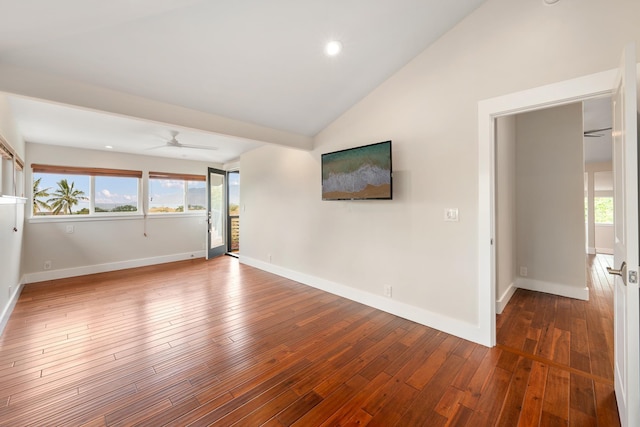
(451, 214)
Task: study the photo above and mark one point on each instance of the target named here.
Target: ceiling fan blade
(593, 135)
(198, 147)
(156, 147)
(594, 131)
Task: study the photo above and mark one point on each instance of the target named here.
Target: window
(603, 210)
(6, 170)
(116, 194)
(196, 195)
(60, 190)
(175, 193)
(61, 194)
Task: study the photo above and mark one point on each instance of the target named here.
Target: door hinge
(633, 276)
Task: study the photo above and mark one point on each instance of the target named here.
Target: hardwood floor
(219, 343)
(574, 339)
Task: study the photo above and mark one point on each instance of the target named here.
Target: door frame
(561, 93)
(210, 254)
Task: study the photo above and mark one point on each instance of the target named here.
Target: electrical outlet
(387, 291)
(523, 272)
(269, 257)
(70, 229)
(47, 265)
(10, 289)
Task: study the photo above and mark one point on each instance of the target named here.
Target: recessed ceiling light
(550, 2)
(108, 147)
(333, 48)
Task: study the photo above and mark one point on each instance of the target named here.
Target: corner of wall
(113, 266)
(8, 309)
(553, 288)
(504, 299)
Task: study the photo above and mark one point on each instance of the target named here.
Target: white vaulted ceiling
(254, 61)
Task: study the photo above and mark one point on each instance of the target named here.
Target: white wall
(505, 210)
(103, 245)
(550, 200)
(429, 110)
(590, 230)
(10, 182)
(604, 238)
(11, 215)
(8, 128)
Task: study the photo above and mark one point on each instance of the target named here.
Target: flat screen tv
(359, 173)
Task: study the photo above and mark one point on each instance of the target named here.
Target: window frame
(139, 197)
(9, 157)
(185, 178)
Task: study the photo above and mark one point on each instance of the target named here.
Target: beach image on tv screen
(359, 173)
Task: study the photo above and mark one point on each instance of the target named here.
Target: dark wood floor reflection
(219, 343)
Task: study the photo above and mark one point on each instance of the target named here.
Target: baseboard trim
(591, 250)
(112, 266)
(8, 309)
(437, 321)
(553, 288)
(505, 298)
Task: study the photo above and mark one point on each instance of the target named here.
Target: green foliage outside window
(603, 210)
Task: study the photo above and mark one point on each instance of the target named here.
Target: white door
(625, 170)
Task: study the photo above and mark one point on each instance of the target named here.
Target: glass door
(217, 213)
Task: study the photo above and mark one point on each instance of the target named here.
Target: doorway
(216, 213)
(622, 84)
(539, 209)
(541, 157)
(557, 94)
(598, 170)
(568, 336)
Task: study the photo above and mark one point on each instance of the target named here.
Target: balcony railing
(235, 233)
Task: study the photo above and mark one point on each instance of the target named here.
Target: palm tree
(66, 196)
(39, 205)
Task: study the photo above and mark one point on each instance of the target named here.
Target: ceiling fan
(173, 142)
(595, 133)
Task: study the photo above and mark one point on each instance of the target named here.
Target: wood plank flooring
(219, 343)
(575, 340)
